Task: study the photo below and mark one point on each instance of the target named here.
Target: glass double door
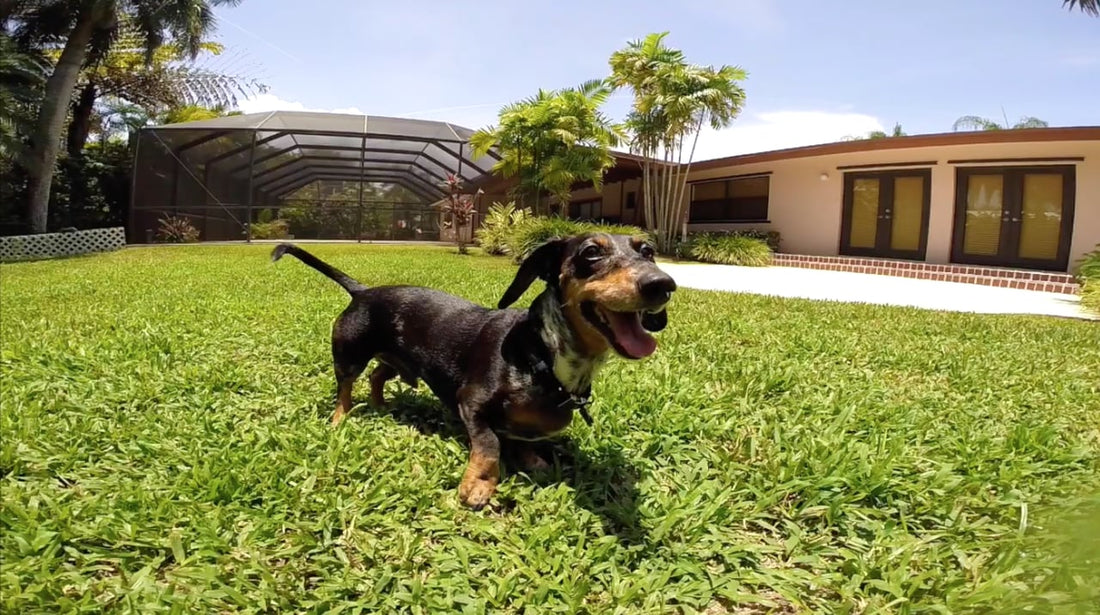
(1014, 217)
(886, 214)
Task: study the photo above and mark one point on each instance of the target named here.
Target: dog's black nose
(656, 286)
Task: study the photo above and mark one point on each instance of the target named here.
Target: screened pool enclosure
(320, 175)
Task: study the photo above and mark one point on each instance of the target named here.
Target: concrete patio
(874, 289)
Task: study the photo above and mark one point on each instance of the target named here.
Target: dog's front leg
(479, 482)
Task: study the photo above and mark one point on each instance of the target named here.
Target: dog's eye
(591, 252)
(646, 251)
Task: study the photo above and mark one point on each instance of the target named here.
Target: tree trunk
(51, 119)
(81, 124)
(76, 138)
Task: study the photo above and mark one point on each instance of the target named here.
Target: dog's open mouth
(624, 330)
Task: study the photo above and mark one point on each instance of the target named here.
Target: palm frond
(1090, 7)
(1030, 122)
(974, 122)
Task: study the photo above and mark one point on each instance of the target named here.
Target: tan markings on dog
(378, 379)
(343, 401)
(617, 290)
(590, 342)
(479, 482)
(533, 422)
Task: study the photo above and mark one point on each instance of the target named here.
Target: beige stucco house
(1021, 199)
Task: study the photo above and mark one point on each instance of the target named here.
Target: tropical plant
(84, 31)
(880, 134)
(193, 113)
(1091, 7)
(673, 101)
(177, 229)
(333, 210)
(457, 210)
(274, 229)
(1088, 274)
(731, 249)
(533, 231)
(22, 76)
(499, 222)
(170, 80)
(974, 122)
(553, 141)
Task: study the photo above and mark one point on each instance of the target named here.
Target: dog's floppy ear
(656, 321)
(544, 263)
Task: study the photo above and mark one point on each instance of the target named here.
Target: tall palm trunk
(51, 118)
(81, 123)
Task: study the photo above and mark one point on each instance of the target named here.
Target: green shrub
(1088, 274)
(769, 237)
(499, 220)
(177, 229)
(275, 229)
(527, 235)
(730, 249)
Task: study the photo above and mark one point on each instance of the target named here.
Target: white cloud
(269, 102)
(751, 133)
(1081, 60)
(468, 116)
(757, 17)
(773, 130)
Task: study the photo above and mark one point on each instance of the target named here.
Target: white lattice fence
(52, 245)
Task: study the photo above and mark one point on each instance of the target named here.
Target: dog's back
(424, 333)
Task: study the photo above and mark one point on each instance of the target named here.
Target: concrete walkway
(875, 289)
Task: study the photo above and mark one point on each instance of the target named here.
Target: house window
(586, 210)
(743, 199)
(631, 200)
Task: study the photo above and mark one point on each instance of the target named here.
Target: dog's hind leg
(344, 384)
(378, 379)
(348, 362)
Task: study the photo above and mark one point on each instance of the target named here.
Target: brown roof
(627, 165)
(1024, 135)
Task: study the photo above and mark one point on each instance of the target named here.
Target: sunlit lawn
(166, 447)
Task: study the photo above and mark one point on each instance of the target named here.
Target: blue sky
(817, 70)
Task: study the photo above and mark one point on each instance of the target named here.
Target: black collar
(545, 373)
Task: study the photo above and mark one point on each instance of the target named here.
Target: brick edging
(1061, 283)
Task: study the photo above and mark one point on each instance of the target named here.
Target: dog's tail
(341, 278)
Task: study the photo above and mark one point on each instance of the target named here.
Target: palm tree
(879, 134)
(22, 75)
(553, 141)
(86, 28)
(168, 81)
(673, 101)
(1091, 7)
(882, 134)
(193, 113)
(974, 122)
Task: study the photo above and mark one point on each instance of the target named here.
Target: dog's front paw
(476, 492)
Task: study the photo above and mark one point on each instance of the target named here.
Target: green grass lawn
(166, 447)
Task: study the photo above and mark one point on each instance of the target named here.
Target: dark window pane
(747, 200)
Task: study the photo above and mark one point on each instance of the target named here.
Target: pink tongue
(629, 334)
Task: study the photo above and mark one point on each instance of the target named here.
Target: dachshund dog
(510, 374)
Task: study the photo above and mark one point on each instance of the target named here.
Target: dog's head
(612, 292)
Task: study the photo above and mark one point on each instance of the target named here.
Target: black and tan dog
(516, 374)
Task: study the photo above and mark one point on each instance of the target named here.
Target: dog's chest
(534, 415)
